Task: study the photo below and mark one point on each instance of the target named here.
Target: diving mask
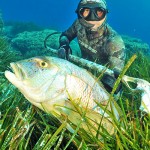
(92, 14)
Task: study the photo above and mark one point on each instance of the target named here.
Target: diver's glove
(109, 82)
(64, 49)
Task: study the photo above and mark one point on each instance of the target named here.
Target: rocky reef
(34, 41)
(30, 39)
(12, 28)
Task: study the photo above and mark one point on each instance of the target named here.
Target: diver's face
(93, 15)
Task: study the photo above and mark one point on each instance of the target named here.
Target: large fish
(65, 90)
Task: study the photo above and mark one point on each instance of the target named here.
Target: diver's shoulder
(112, 32)
(77, 22)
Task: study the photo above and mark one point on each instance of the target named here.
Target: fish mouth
(17, 71)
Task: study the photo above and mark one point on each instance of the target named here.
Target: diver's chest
(95, 48)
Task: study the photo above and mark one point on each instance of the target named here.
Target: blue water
(130, 17)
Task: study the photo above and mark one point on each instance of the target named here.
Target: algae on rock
(34, 41)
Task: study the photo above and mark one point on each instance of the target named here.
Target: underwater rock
(34, 41)
(12, 28)
(134, 45)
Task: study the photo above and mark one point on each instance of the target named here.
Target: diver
(97, 40)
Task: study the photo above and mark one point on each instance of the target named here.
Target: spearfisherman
(97, 40)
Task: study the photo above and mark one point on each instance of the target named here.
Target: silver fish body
(65, 90)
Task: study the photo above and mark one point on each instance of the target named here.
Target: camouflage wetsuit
(103, 46)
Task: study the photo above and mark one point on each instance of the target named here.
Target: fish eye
(43, 64)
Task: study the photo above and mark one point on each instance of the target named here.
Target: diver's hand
(109, 82)
(116, 73)
(64, 51)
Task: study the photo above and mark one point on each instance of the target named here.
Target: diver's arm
(68, 35)
(116, 49)
(64, 41)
